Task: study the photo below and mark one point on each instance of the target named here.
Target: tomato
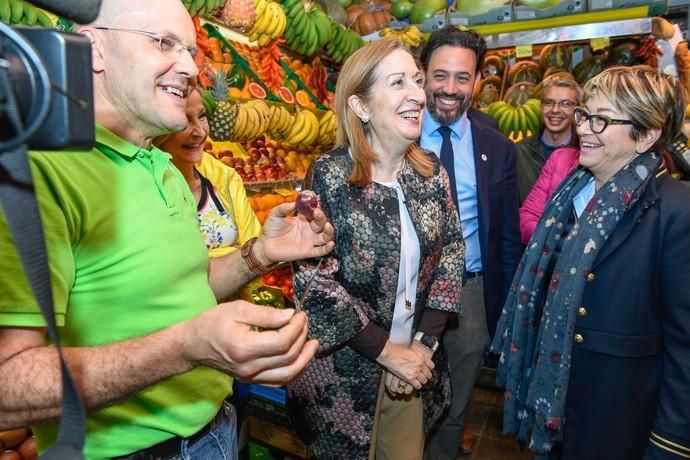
(270, 279)
(286, 290)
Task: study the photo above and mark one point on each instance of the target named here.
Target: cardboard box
(564, 8)
(656, 7)
(493, 16)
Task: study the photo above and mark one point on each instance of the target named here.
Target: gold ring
(401, 385)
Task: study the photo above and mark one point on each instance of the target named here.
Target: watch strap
(251, 260)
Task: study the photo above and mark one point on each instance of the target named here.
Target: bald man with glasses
(152, 353)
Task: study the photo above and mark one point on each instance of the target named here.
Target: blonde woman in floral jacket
(379, 304)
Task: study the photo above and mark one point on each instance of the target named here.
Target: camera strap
(20, 205)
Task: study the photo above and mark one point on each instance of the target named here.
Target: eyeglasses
(565, 104)
(169, 46)
(597, 123)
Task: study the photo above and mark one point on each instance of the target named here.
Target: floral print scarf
(535, 349)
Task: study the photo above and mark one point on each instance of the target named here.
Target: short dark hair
(452, 36)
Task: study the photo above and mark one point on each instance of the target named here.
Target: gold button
(582, 311)
(579, 338)
(591, 277)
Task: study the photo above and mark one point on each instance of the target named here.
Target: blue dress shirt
(465, 180)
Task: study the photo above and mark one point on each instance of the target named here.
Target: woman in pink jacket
(559, 165)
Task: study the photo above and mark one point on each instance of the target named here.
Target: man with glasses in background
(135, 294)
(559, 98)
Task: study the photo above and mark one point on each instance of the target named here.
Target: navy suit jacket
(629, 390)
(499, 223)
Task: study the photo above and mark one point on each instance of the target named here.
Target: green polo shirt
(126, 259)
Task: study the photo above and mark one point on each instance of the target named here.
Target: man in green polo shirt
(135, 294)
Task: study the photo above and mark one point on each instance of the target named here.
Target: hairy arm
(221, 337)
(31, 381)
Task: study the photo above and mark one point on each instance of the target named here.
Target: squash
(371, 21)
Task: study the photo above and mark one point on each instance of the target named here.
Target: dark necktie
(448, 162)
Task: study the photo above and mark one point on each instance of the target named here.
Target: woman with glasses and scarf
(594, 339)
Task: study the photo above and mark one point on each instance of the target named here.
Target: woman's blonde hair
(356, 78)
(651, 99)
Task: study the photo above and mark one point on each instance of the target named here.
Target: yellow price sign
(522, 51)
(599, 43)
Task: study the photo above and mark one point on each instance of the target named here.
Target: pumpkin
(528, 71)
(352, 13)
(493, 65)
(589, 67)
(371, 21)
(555, 56)
(519, 93)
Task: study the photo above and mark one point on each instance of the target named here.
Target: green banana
(17, 11)
(5, 11)
(30, 14)
(43, 20)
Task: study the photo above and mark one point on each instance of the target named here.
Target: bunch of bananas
(344, 43)
(327, 128)
(205, 8)
(308, 27)
(304, 130)
(411, 36)
(523, 120)
(21, 12)
(281, 122)
(270, 22)
(253, 119)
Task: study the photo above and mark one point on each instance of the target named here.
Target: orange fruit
(302, 98)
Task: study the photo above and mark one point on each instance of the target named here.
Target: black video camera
(46, 85)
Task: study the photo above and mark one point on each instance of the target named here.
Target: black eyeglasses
(169, 46)
(597, 123)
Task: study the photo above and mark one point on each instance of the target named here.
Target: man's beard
(446, 117)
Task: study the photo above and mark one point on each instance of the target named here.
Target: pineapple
(239, 14)
(221, 112)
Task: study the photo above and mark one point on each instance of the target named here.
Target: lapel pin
(484, 157)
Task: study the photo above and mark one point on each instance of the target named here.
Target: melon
(477, 7)
(425, 9)
(401, 9)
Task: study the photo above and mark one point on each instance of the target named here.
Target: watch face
(428, 341)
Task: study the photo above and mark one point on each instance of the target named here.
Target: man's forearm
(229, 273)
(32, 386)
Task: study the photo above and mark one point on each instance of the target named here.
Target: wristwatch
(427, 341)
(252, 262)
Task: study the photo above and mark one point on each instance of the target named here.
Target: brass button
(591, 277)
(582, 311)
(579, 338)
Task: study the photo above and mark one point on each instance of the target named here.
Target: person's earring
(365, 119)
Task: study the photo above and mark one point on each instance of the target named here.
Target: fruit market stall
(268, 71)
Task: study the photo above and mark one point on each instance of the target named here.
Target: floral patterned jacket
(333, 403)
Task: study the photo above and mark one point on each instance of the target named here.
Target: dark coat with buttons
(333, 403)
(629, 390)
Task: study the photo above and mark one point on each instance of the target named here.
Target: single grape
(306, 202)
